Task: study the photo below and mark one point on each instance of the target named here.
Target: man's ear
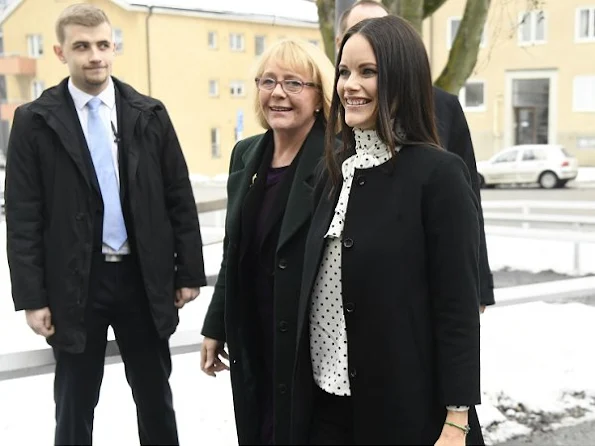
(59, 53)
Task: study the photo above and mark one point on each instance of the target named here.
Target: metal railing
(38, 362)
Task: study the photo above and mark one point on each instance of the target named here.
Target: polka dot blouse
(328, 335)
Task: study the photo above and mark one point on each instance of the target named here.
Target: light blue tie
(114, 229)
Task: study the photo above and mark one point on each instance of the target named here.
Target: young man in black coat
(453, 131)
(102, 230)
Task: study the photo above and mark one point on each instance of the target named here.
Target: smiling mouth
(356, 102)
(280, 109)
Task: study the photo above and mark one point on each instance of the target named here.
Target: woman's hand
(452, 435)
(211, 353)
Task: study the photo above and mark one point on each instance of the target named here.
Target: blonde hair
(79, 14)
(300, 57)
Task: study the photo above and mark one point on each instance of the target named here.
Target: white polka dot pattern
(328, 334)
(370, 151)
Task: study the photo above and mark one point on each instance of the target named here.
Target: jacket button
(79, 217)
(282, 264)
(283, 326)
(348, 243)
(361, 180)
(350, 307)
(282, 389)
(353, 373)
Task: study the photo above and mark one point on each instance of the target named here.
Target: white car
(548, 165)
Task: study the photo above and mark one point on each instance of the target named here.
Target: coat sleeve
(461, 144)
(214, 323)
(452, 242)
(25, 216)
(181, 208)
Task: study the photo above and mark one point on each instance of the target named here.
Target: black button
(282, 389)
(353, 373)
(361, 180)
(79, 217)
(283, 326)
(348, 243)
(350, 307)
(282, 264)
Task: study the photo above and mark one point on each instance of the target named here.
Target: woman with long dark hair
(388, 318)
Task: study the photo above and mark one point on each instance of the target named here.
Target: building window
(213, 88)
(584, 94)
(453, 28)
(212, 40)
(215, 143)
(37, 88)
(1, 41)
(532, 28)
(236, 42)
(258, 45)
(35, 45)
(472, 96)
(585, 24)
(236, 89)
(118, 40)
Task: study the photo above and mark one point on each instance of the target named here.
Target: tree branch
(465, 48)
(431, 6)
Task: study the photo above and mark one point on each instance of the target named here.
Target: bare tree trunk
(412, 11)
(326, 19)
(465, 48)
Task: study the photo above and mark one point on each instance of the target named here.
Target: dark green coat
(230, 315)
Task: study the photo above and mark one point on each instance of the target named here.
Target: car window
(507, 157)
(534, 155)
(566, 153)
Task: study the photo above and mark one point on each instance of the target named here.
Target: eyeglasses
(292, 86)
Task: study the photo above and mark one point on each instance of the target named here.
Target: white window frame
(578, 93)
(212, 40)
(450, 39)
(213, 88)
(37, 88)
(237, 42)
(237, 89)
(532, 23)
(35, 45)
(118, 40)
(215, 143)
(263, 39)
(591, 24)
(463, 96)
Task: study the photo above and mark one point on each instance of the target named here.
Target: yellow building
(534, 81)
(197, 56)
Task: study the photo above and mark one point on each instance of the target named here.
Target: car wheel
(548, 180)
(562, 183)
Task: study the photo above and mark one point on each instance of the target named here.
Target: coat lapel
(57, 109)
(128, 145)
(299, 203)
(240, 181)
(315, 245)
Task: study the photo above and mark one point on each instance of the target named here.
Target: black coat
(230, 314)
(455, 137)
(54, 209)
(410, 293)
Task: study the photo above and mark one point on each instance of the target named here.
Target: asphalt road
(572, 192)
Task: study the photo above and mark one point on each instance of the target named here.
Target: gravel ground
(507, 277)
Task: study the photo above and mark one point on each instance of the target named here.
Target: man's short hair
(80, 14)
(343, 19)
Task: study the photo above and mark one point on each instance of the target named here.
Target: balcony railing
(15, 64)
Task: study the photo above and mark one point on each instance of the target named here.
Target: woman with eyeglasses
(270, 184)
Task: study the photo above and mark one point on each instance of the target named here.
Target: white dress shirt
(109, 117)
